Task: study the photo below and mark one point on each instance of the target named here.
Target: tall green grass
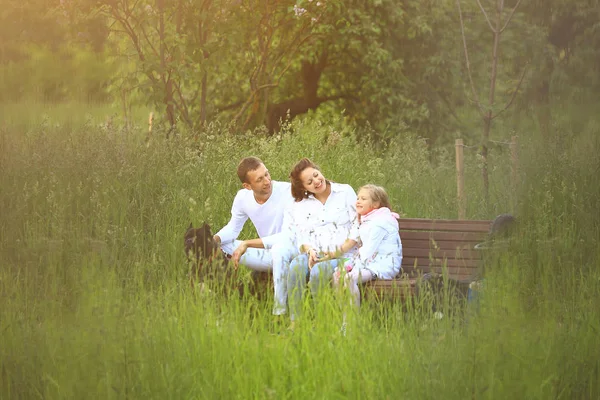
(95, 303)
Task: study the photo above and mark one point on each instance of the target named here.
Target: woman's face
(313, 180)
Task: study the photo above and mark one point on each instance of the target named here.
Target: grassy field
(94, 300)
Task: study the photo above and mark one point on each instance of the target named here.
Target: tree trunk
(165, 76)
(487, 111)
(487, 119)
(487, 124)
(203, 33)
(203, 89)
(288, 109)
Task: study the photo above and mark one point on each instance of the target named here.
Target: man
(265, 202)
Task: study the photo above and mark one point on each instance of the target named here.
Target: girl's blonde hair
(378, 195)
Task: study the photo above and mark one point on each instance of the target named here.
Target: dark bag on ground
(434, 288)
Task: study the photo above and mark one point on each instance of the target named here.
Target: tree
(497, 25)
(280, 41)
(259, 62)
(154, 32)
(176, 43)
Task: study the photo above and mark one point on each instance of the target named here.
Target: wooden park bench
(441, 246)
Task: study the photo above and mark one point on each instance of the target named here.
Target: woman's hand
(311, 253)
(312, 258)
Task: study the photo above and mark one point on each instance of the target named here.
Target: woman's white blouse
(324, 226)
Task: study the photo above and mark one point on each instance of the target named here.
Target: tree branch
(283, 52)
(462, 31)
(447, 103)
(512, 98)
(139, 24)
(259, 67)
(183, 108)
(300, 43)
(229, 106)
(486, 16)
(337, 97)
(134, 38)
(264, 45)
(130, 9)
(194, 96)
(251, 97)
(510, 16)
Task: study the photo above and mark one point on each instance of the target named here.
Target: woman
(321, 218)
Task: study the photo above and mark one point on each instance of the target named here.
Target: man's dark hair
(246, 165)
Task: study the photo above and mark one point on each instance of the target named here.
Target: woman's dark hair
(298, 191)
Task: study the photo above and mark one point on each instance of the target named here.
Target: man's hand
(217, 239)
(238, 253)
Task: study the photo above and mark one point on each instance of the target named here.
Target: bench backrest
(429, 245)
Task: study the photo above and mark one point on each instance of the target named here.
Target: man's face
(259, 181)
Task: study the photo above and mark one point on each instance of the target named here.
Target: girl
(380, 253)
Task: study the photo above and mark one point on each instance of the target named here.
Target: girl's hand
(336, 275)
(339, 252)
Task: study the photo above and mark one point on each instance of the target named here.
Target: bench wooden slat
(456, 273)
(409, 262)
(392, 283)
(441, 244)
(441, 220)
(444, 225)
(452, 253)
(396, 289)
(474, 237)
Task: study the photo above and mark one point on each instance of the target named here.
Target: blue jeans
(298, 273)
(263, 260)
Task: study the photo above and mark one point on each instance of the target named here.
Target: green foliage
(56, 75)
(26, 23)
(394, 66)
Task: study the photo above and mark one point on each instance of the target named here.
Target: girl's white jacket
(380, 248)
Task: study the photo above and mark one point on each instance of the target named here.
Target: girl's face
(313, 180)
(364, 202)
